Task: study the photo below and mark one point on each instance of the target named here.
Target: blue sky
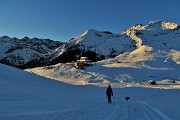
(62, 20)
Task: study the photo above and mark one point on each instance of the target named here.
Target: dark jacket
(109, 91)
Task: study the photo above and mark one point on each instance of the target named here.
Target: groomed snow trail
(122, 110)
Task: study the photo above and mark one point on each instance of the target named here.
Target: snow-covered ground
(27, 96)
(126, 70)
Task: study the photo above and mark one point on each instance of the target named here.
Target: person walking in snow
(109, 93)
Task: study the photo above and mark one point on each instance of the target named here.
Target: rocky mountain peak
(161, 25)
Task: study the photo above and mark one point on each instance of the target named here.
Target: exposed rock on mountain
(17, 52)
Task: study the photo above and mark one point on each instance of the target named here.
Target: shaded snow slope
(100, 111)
(31, 97)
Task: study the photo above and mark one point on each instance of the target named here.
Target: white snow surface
(26, 96)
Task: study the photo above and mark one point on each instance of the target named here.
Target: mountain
(17, 52)
(96, 45)
(99, 45)
(158, 37)
(140, 53)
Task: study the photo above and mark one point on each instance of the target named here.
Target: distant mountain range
(17, 52)
(96, 45)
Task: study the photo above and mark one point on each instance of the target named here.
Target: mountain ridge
(17, 52)
(97, 45)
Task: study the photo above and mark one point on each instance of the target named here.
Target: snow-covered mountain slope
(155, 57)
(97, 45)
(157, 37)
(17, 52)
(26, 96)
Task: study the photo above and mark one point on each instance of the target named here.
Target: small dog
(127, 98)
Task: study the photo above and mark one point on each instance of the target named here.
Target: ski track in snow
(122, 110)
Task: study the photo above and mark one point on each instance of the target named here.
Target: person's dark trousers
(109, 99)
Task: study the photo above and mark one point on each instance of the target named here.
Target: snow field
(31, 97)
